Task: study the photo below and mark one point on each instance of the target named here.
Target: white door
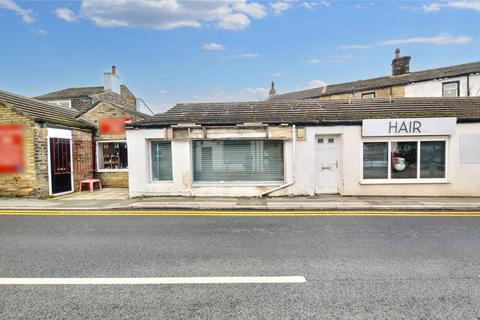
(326, 164)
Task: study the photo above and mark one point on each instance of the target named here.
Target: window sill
(404, 181)
(238, 184)
(112, 170)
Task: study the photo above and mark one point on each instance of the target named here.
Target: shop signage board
(408, 127)
(11, 148)
(113, 126)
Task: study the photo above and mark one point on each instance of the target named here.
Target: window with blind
(238, 161)
(161, 153)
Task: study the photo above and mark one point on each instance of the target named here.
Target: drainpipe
(294, 144)
(468, 85)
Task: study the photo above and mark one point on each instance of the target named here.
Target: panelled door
(326, 164)
(60, 165)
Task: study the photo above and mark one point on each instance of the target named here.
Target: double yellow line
(223, 213)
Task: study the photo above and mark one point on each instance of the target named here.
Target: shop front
(352, 150)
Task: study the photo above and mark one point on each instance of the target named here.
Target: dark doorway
(60, 164)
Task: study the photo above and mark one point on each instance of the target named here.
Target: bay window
(404, 160)
(161, 155)
(112, 155)
(238, 161)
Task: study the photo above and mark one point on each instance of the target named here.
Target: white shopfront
(409, 157)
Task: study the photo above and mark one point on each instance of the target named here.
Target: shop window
(404, 160)
(238, 161)
(451, 89)
(112, 155)
(432, 155)
(375, 160)
(408, 160)
(161, 153)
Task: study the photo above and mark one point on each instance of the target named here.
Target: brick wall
(80, 171)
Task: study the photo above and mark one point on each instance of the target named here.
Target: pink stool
(90, 183)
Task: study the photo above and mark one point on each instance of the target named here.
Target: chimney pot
(397, 53)
(114, 70)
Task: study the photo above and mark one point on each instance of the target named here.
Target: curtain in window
(238, 160)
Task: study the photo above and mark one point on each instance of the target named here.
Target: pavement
(376, 267)
(117, 198)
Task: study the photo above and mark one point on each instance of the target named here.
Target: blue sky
(170, 51)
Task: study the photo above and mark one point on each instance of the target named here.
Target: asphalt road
(355, 267)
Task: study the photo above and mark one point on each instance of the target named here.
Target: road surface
(355, 267)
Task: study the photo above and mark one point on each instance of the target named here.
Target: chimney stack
(272, 91)
(111, 81)
(400, 65)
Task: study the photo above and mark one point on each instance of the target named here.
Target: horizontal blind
(238, 160)
(161, 160)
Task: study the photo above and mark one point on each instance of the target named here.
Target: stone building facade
(37, 120)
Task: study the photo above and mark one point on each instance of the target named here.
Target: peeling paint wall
(434, 88)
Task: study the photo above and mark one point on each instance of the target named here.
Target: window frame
(368, 93)
(238, 183)
(150, 161)
(418, 179)
(59, 102)
(451, 82)
(98, 142)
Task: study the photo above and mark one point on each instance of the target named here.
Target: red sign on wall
(11, 148)
(113, 126)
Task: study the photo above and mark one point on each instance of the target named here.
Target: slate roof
(70, 93)
(382, 82)
(44, 112)
(315, 111)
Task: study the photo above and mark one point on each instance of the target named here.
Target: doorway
(60, 165)
(326, 165)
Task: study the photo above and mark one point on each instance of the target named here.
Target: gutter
(294, 144)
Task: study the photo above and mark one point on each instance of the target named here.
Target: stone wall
(397, 91)
(31, 182)
(129, 99)
(107, 110)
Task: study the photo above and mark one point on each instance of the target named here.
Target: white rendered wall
(434, 88)
(462, 180)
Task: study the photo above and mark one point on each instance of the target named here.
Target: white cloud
(250, 55)
(236, 21)
(253, 9)
(310, 5)
(25, 14)
(41, 32)
(66, 14)
(171, 14)
(313, 61)
(328, 61)
(441, 39)
(277, 74)
(313, 84)
(280, 6)
(211, 46)
(256, 91)
(356, 46)
(437, 6)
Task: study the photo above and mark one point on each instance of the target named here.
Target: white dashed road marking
(163, 280)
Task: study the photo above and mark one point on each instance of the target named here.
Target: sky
(171, 51)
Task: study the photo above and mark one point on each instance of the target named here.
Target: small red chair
(90, 183)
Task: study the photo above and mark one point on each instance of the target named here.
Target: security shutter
(238, 161)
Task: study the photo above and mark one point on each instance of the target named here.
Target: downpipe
(294, 145)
